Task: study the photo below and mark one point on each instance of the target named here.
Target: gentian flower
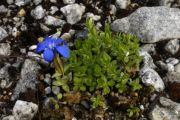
(51, 46)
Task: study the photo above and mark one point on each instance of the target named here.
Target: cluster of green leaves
(103, 61)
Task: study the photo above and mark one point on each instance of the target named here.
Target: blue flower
(50, 46)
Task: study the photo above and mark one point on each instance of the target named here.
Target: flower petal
(58, 41)
(48, 55)
(40, 47)
(63, 50)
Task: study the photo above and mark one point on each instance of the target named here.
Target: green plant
(132, 110)
(104, 61)
(98, 101)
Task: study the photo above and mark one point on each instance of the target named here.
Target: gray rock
(28, 78)
(113, 9)
(177, 68)
(150, 48)
(94, 17)
(53, 9)
(5, 49)
(169, 3)
(10, 117)
(5, 77)
(10, 1)
(168, 67)
(3, 9)
(122, 4)
(37, 58)
(173, 46)
(68, 1)
(36, 2)
(147, 60)
(172, 61)
(38, 12)
(166, 2)
(173, 77)
(23, 110)
(151, 78)
(53, 1)
(22, 2)
(169, 110)
(151, 24)
(73, 12)
(3, 34)
(47, 90)
(44, 28)
(82, 34)
(47, 79)
(50, 20)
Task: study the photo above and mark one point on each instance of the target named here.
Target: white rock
(169, 110)
(22, 2)
(68, 1)
(122, 4)
(50, 20)
(94, 17)
(53, 9)
(5, 49)
(3, 9)
(168, 67)
(177, 68)
(150, 48)
(147, 60)
(38, 12)
(3, 33)
(151, 78)
(73, 12)
(11, 117)
(10, 1)
(113, 9)
(172, 46)
(33, 47)
(24, 110)
(53, 1)
(36, 2)
(172, 61)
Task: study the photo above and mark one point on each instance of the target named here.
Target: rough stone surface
(68, 1)
(36, 2)
(168, 67)
(172, 61)
(151, 78)
(147, 60)
(5, 49)
(24, 110)
(22, 2)
(3, 33)
(151, 24)
(150, 48)
(3, 9)
(169, 110)
(122, 4)
(173, 46)
(50, 20)
(10, 1)
(94, 17)
(38, 12)
(73, 12)
(173, 77)
(169, 3)
(177, 68)
(28, 78)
